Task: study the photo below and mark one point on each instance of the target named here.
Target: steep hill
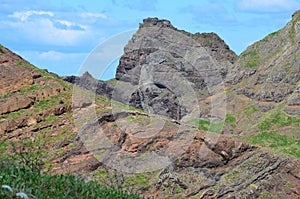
(36, 110)
(159, 57)
(269, 70)
(186, 133)
(173, 73)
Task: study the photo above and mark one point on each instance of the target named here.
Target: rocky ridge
(92, 135)
(269, 69)
(152, 63)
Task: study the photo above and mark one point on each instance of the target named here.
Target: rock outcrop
(88, 82)
(164, 65)
(269, 69)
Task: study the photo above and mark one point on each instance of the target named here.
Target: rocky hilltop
(269, 70)
(159, 56)
(202, 121)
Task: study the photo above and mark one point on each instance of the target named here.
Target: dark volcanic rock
(164, 66)
(88, 82)
(165, 70)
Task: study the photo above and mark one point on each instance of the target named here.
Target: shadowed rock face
(164, 64)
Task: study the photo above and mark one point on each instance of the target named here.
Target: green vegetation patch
(230, 119)
(276, 141)
(14, 115)
(35, 185)
(50, 102)
(251, 59)
(273, 34)
(249, 110)
(33, 88)
(3, 146)
(276, 118)
(215, 127)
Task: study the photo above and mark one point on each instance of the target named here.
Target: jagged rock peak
(296, 15)
(86, 74)
(150, 22)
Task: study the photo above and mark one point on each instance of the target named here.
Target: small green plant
(29, 154)
(20, 63)
(216, 127)
(265, 194)
(203, 124)
(273, 34)
(230, 119)
(249, 110)
(251, 59)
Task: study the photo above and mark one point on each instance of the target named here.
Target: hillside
(184, 118)
(268, 70)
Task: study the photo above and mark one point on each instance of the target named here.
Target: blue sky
(59, 35)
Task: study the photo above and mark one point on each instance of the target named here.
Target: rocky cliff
(269, 69)
(164, 65)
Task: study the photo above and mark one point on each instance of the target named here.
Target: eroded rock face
(88, 82)
(164, 65)
(269, 69)
(15, 73)
(14, 103)
(210, 166)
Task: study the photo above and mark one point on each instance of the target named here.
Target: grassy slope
(20, 157)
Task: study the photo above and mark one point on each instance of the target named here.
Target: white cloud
(43, 31)
(70, 24)
(49, 33)
(23, 16)
(62, 63)
(58, 56)
(94, 15)
(264, 6)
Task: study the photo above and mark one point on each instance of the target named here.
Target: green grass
(215, 127)
(278, 142)
(294, 21)
(50, 76)
(228, 91)
(230, 119)
(5, 95)
(273, 34)
(265, 194)
(250, 54)
(249, 110)
(51, 119)
(139, 179)
(33, 88)
(46, 186)
(20, 63)
(206, 125)
(14, 115)
(276, 118)
(251, 59)
(49, 102)
(3, 146)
